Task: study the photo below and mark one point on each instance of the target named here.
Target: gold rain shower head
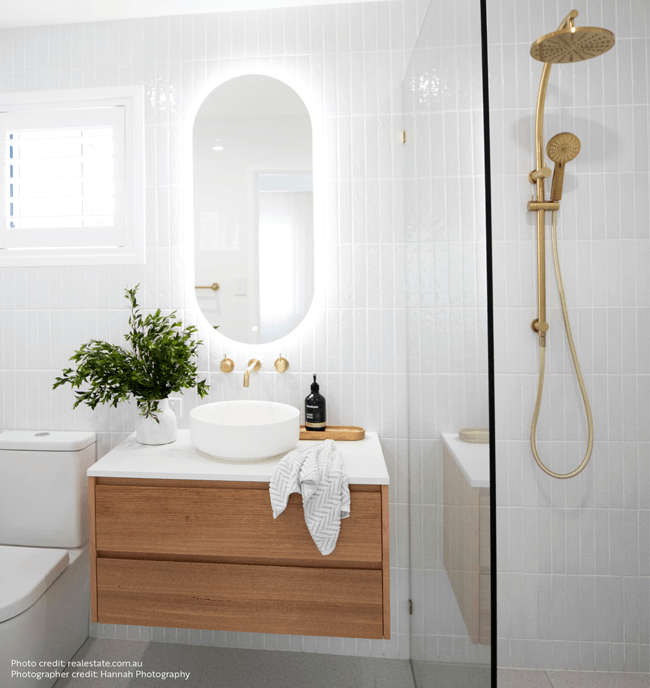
(562, 148)
(572, 44)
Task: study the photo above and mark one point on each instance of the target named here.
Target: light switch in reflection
(240, 286)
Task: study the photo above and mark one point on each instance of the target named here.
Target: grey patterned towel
(316, 472)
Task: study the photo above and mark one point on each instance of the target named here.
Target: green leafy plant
(161, 361)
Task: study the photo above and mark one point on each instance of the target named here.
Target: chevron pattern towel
(316, 472)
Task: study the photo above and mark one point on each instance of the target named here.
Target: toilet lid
(25, 574)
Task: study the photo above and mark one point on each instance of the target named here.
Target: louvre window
(68, 184)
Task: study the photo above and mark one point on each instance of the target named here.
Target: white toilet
(44, 562)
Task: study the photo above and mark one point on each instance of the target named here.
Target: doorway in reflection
(285, 233)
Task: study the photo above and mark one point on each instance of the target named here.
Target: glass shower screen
(449, 451)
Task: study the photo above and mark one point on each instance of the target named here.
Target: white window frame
(127, 237)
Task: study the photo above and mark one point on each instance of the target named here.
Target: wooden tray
(344, 433)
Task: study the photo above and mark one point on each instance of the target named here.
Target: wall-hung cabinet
(206, 553)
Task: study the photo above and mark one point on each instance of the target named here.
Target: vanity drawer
(229, 525)
(230, 597)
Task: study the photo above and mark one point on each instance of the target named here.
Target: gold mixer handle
(281, 364)
(227, 365)
(214, 286)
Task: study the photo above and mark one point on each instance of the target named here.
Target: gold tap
(253, 364)
(227, 365)
(281, 364)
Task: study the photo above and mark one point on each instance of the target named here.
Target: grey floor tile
(212, 667)
(392, 673)
(597, 679)
(230, 668)
(155, 657)
(522, 678)
(238, 668)
(441, 675)
(169, 659)
(102, 649)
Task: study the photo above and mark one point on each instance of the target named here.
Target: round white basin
(244, 430)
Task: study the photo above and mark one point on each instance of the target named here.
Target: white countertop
(472, 459)
(180, 460)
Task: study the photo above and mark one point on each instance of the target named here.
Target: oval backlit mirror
(253, 209)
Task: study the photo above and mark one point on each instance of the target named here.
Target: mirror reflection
(253, 209)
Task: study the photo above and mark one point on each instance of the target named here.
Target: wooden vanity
(202, 550)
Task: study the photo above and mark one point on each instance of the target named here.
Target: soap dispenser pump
(315, 409)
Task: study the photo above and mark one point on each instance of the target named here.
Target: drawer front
(229, 523)
(230, 597)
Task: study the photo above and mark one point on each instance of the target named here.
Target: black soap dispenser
(315, 409)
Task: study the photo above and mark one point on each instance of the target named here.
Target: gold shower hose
(576, 364)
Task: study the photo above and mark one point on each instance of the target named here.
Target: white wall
(574, 556)
(446, 298)
(350, 60)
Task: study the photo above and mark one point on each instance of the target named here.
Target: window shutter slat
(72, 182)
(64, 178)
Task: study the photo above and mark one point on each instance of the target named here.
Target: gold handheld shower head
(561, 149)
(572, 44)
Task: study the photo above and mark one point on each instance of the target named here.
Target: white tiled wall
(446, 298)
(350, 59)
(574, 556)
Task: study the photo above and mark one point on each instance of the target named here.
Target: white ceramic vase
(147, 431)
